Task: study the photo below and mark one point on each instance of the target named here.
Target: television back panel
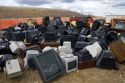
(50, 36)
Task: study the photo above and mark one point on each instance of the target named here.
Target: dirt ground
(91, 75)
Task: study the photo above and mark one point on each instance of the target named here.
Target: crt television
(17, 36)
(49, 65)
(50, 36)
(32, 36)
(120, 25)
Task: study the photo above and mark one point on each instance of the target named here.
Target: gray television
(49, 65)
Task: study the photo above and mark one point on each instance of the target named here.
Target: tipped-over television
(49, 65)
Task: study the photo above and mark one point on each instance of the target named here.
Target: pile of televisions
(80, 47)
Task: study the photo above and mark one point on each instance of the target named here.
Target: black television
(70, 38)
(17, 36)
(32, 36)
(50, 36)
(49, 65)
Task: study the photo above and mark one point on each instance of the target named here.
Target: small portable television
(70, 61)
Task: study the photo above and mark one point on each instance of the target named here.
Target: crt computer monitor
(71, 63)
(49, 65)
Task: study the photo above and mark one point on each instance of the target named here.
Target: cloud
(67, 1)
(119, 5)
(96, 7)
(33, 2)
(41, 2)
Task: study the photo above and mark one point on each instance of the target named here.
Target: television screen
(72, 65)
(49, 65)
(120, 25)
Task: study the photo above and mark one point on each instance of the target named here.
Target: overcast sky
(96, 7)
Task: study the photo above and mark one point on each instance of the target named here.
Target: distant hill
(29, 12)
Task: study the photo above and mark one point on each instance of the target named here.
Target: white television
(70, 62)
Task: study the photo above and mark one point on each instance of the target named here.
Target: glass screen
(120, 25)
(72, 65)
(49, 64)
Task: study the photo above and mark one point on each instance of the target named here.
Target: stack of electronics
(70, 61)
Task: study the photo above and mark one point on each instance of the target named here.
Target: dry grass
(92, 75)
(28, 12)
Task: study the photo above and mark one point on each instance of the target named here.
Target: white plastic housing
(94, 49)
(13, 68)
(67, 44)
(68, 60)
(64, 49)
